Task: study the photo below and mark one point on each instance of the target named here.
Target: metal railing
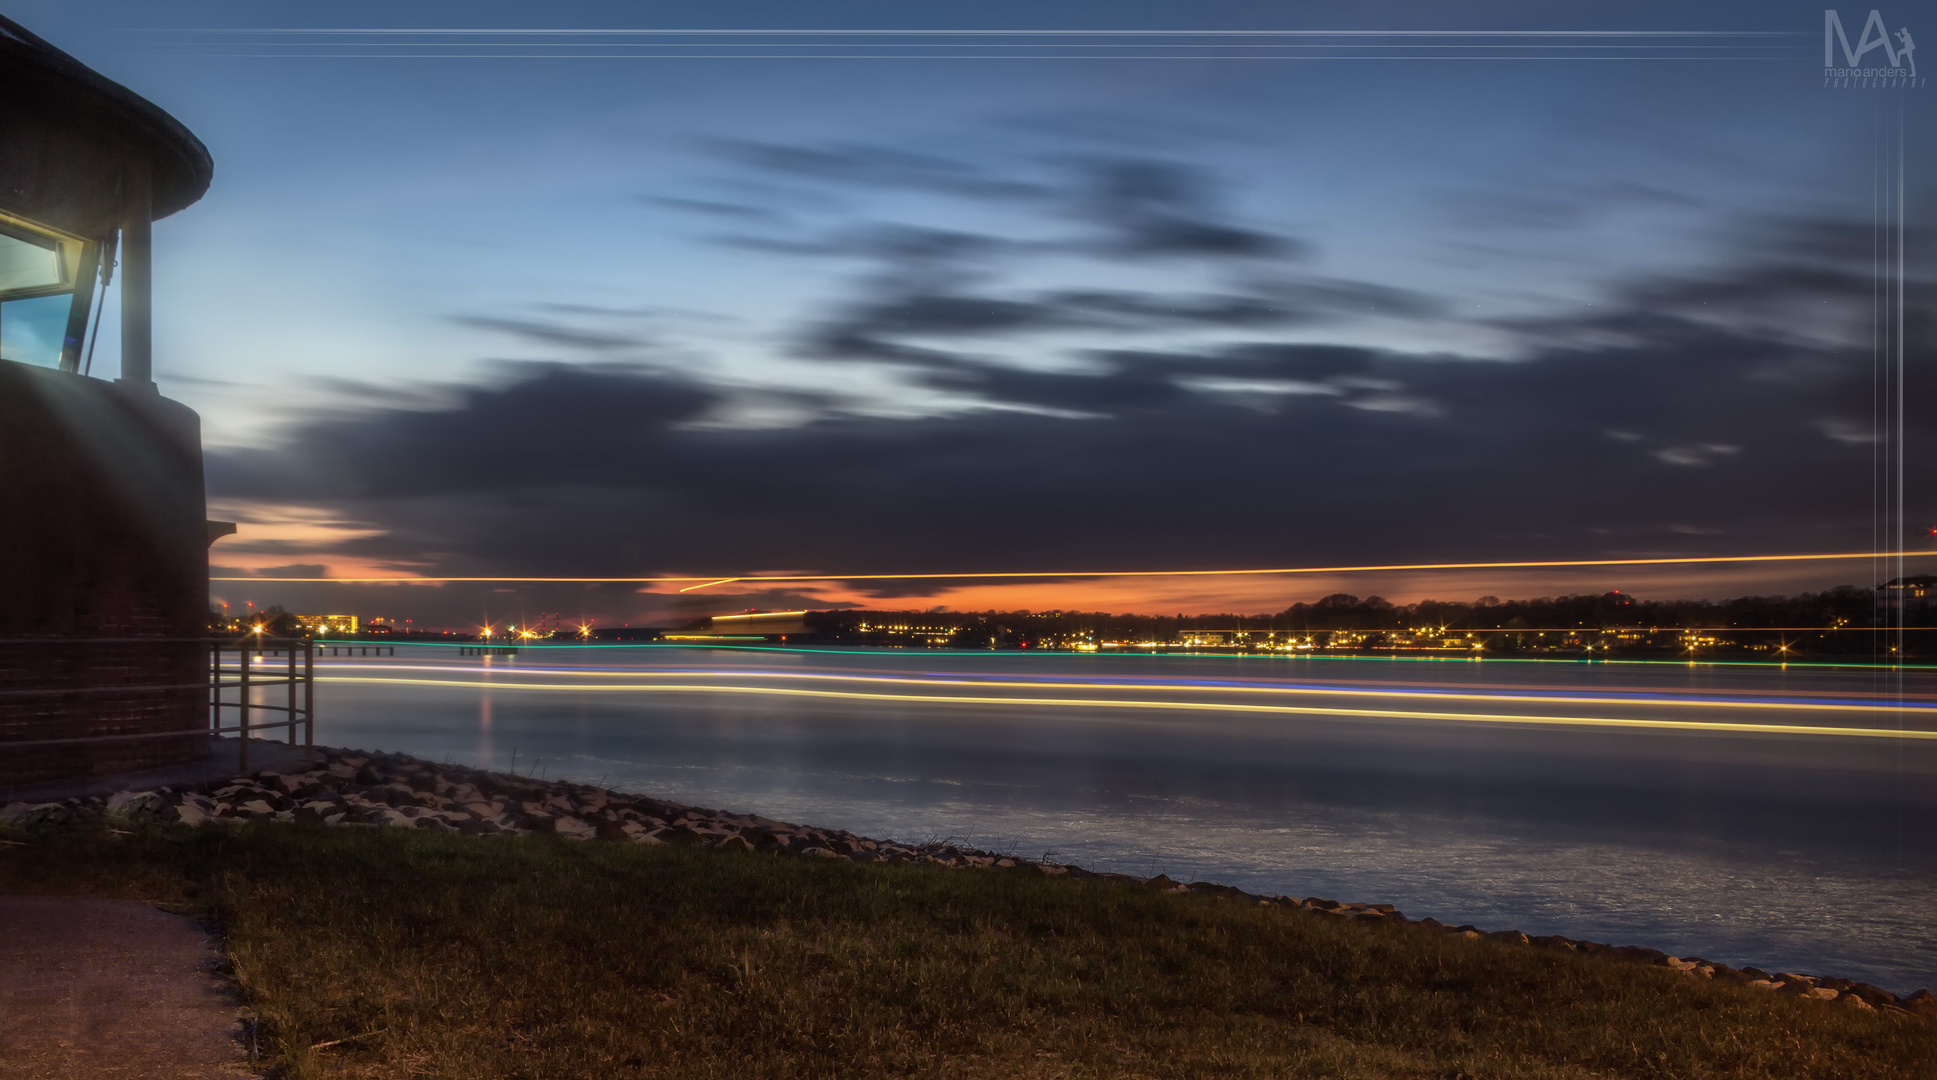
(247, 674)
(233, 664)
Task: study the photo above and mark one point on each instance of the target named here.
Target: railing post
(242, 763)
(309, 700)
(137, 273)
(215, 687)
(291, 702)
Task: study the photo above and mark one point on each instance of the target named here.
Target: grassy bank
(400, 952)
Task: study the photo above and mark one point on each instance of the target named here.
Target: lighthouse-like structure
(103, 525)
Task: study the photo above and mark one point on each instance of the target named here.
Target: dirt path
(94, 989)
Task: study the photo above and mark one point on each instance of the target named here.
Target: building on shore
(103, 563)
(1913, 598)
(316, 626)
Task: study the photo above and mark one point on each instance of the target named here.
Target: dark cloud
(954, 316)
(713, 208)
(1119, 394)
(1818, 241)
(844, 343)
(932, 299)
(535, 427)
(1329, 299)
(879, 329)
(1685, 415)
(1556, 206)
(898, 246)
(919, 314)
(634, 312)
(1141, 310)
(1144, 208)
(550, 333)
(1639, 194)
(781, 245)
(1155, 208)
(874, 167)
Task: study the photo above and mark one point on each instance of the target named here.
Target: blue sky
(899, 232)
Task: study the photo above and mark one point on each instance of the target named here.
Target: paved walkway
(94, 989)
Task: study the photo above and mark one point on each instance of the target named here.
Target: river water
(1744, 814)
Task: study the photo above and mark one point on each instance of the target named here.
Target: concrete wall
(103, 577)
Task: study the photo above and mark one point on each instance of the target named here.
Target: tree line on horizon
(1842, 606)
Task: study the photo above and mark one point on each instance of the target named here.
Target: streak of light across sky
(707, 580)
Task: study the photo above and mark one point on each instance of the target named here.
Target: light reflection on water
(1794, 853)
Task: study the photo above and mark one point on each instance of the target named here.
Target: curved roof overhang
(36, 77)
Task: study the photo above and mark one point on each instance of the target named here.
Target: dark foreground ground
(390, 952)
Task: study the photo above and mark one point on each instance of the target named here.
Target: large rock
(135, 806)
(763, 839)
(1875, 995)
(572, 828)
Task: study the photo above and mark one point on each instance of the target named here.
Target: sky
(490, 289)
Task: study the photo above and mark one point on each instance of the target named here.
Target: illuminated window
(39, 267)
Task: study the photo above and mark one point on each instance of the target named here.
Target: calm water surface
(1513, 802)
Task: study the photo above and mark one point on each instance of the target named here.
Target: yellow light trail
(1715, 727)
(1306, 691)
(706, 582)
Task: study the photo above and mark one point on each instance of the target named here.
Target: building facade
(103, 560)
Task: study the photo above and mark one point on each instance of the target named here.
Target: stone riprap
(374, 789)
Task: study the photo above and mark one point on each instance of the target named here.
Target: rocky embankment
(374, 789)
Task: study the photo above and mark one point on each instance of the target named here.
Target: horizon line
(706, 581)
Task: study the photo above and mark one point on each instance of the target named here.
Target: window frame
(69, 251)
(79, 262)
